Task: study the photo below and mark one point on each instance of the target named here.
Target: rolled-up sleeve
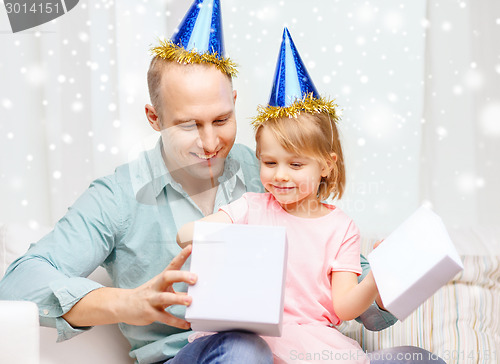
(374, 318)
(53, 272)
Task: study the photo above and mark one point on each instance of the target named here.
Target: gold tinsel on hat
(308, 104)
(172, 52)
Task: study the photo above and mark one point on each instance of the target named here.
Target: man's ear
(152, 116)
(235, 95)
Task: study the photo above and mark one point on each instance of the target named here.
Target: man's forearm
(138, 306)
(99, 307)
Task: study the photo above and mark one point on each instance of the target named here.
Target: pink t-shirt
(316, 247)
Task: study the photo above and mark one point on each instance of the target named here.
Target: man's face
(197, 122)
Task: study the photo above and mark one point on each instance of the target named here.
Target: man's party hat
(293, 89)
(199, 38)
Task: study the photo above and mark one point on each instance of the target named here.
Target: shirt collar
(150, 174)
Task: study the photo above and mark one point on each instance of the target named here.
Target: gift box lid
(413, 262)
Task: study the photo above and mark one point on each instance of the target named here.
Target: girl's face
(292, 179)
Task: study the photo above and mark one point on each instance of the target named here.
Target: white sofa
(460, 322)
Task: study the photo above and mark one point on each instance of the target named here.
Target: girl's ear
(330, 164)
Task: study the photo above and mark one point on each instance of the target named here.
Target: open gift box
(413, 262)
(241, 278)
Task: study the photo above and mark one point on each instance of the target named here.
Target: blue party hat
(293, 89)
(291, 79)
(199, 38)
(201, 28)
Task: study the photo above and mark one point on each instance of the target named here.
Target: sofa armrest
(102, 344)
(19, 332)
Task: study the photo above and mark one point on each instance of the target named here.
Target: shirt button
(45, 312)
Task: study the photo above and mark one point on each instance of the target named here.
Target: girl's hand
(185, 235)
(377, 243)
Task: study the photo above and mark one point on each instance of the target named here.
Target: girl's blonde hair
(315, 136)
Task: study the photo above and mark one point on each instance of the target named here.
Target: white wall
(72, 94)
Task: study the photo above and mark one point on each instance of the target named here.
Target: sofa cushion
(460, 321)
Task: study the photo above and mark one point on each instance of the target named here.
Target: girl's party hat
(293, 90)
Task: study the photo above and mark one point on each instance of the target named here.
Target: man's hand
(139, 306)
(148, 301)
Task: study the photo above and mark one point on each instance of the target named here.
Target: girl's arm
(351, 299)
(185, 233)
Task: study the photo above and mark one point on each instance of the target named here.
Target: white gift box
(241, 278)
(413, 262)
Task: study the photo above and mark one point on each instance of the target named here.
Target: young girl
(302, 164)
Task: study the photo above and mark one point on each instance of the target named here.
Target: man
(127, 222)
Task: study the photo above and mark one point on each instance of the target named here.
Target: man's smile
(205, 156)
